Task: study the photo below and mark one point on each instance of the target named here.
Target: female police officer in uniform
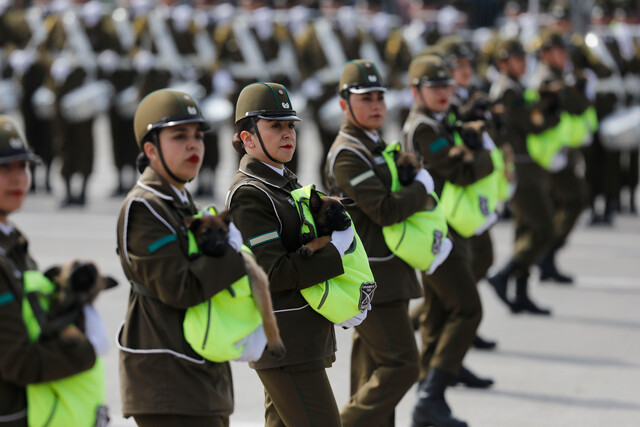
(384, 358)
(297, 390)
(453, 310)
(24, 362)
(163, 381)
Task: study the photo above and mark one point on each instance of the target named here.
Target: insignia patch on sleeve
(263, 238)
(6, 298)
(437, 145)
(161, 242)
(355, 181)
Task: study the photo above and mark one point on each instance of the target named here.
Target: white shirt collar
(278, 170)
(462, 92)
(373, 135)
(182, 195)
(439, 116)
(7, 228)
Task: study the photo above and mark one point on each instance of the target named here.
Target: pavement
(579, 367)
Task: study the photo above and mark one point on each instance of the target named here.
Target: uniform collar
(258, 170)
(151, 181)
(364, 137)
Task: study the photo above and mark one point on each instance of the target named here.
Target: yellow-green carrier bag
(71, 401)
(417, 239)
(342, 297)
(469, 208)
(213, 327)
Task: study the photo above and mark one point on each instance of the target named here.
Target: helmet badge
(285, 105)
(372, 78)
(192, 110)
(15, 143)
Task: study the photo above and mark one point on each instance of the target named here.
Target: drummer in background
(115, 66)
(73, 136)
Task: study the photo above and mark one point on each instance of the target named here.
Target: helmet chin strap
(264, 149)
(353, 116)
(156, 142)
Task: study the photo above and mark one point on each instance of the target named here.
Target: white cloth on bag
(254, 345)
(445, 250)
(95, 330)
(342, 240)
(425, 178)
(235, 238)
(355, 320)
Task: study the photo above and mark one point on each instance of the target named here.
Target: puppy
(329, 215)
(77, 283)
(408, 165)
(211, 234)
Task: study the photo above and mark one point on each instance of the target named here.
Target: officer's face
(182, 149)
(556, 57)
(515, 65)
(15, 179)
(368, 110)
(279, 138)
(462, 72)
(435, 98)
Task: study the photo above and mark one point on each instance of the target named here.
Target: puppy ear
(315, 202)
(224, 215)
(192, 223)
(347, 201)
(109, 282)
(53, 273)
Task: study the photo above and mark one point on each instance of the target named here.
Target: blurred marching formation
(63, 63)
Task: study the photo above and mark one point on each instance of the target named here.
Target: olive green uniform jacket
(21, 361)
(265, 213)
(159, 372)
(356, 169)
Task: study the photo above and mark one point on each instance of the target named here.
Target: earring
(252, 146)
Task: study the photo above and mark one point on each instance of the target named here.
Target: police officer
(533, 209)
(23, 361)
(163, 380)
(569, 188)
(384, 357)
(453, 308)
(297, 390)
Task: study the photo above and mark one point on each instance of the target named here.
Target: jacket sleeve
(358, 181)
(24, 362)
(438, 159)
(519, 115)
(256, 218)
(155, 258)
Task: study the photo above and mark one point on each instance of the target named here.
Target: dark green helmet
(360, 76)
(508, 47)
(13, 145)
(453, 47)
(549, 39)
(429, 70)
(164, 108)
(268, 101)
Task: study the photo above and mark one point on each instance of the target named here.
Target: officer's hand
(95, 330)
(254, 345)
(425, 178)
(235, 237)
(342, 239)
(71, 333)
(355, 320)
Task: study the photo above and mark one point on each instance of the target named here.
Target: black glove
(471, 137)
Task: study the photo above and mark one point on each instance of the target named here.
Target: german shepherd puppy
(408, 165)
(77, 283)
(211, 234)
(329, 215)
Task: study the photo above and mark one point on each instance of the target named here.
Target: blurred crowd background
(64, 63)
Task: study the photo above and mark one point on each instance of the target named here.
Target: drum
(620, 130)
(193, 88)
(216, 109)
(87, 101)
(9, 95)
(126, 102)
(44, 103)
(330, 115)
